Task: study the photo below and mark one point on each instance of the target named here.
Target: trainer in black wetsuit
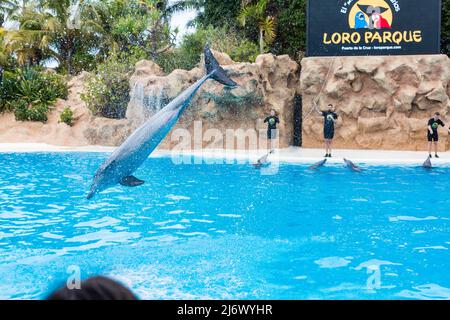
(272, 121)
(432, 133)
(329, 117)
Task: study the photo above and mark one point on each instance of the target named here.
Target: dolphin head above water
(352, 166)
(427, 164)
(126, 159)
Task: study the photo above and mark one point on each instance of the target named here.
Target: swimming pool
(226, 231)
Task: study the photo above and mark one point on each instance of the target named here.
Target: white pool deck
(289, 155)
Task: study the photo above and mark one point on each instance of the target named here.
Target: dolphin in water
(352, 166)
(125, 160)
(427, 164)
(262, 161)
(317, 164)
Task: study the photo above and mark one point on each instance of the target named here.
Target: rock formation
(384, 102)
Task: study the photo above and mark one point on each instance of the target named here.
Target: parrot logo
(376, 20)
(360, 20)
(370, 14)
(272, 121)
(435, 125)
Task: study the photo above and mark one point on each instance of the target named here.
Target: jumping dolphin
(120, 166)
(317, 164)
(352, 166)
(427, 164)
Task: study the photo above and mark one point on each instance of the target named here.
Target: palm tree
(266, 24)
(3, 53)
(7, 7)
(54, 29)
(29, 42)
(71, 25)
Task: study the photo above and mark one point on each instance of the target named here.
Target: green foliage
(258, 12)
(66, 116)
(107, 90)
(291, 28)
(219, 13)
(24, 111)
(227, 100)
(221, 39)
(29, 92)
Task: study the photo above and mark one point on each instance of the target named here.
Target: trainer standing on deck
(330, 117)
(432, 133)
(272, 121)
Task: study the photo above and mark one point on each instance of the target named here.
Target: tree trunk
(261, 41)
(69, 53)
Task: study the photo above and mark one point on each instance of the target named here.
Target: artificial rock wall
(383, 102)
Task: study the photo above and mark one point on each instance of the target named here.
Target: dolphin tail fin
(217, 73)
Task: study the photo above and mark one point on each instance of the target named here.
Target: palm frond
(268, 26)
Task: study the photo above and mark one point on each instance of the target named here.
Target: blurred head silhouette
(95, 288)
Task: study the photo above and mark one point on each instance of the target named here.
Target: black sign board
(373, 27)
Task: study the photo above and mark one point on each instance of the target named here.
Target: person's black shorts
(433, 137)
(271, 134)
(328, 134)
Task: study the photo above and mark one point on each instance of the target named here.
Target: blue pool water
(226, 231)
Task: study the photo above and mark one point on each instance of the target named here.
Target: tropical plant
(7, 7)
(291, 27)
(29, 92)
(107, 90)
(231, 102)
(73, 30)
(4, 57)
(135, 24)
(24, 111)
(66, 116)
(266, 23)
(187, 55)
(212, 12)
(61, 30)
(30, 42)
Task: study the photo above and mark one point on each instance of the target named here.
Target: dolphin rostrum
(317, 164)
(352, 166)
(427, 164)
(125, 160)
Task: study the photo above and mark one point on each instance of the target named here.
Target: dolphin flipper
(131, 181)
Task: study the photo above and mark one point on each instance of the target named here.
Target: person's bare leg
(429, 148)
(435, 148)
(330, 146)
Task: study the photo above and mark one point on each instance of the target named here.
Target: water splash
(147, 103)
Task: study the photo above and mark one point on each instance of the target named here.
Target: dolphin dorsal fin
(131, 181)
